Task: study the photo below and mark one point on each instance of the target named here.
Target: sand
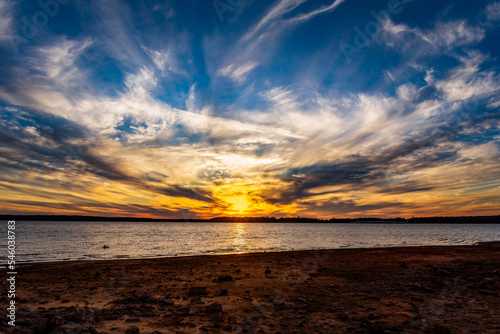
(393, 290)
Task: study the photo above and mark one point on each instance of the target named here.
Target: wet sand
(450, 289)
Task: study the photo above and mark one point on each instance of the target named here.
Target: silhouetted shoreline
(361, 220)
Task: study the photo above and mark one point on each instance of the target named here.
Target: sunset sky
(196, 109)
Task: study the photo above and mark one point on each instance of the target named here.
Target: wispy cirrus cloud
(258, 43)
(493, 11)
(6, 20)
(236, 72)
(443, 37)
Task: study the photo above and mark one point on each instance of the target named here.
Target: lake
(56, 241)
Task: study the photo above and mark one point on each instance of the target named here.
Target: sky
(197, 109)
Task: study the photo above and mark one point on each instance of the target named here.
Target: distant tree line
(423, 220)
(267, 219)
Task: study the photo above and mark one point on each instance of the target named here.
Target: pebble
(439, 329)
(183, 311)
(222, 292)
(132, 330)
(197, 291)
(213, 308)
(225, 278)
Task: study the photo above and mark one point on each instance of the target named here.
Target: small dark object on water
(105, 247)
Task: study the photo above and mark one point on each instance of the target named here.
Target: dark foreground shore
(395, 290)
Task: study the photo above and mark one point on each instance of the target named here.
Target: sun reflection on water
(239, 240)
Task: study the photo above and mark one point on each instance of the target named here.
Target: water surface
(54, 241)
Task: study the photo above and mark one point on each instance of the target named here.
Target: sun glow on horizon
(240, 203)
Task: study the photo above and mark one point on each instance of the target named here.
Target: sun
(244, 199)
(240, 203)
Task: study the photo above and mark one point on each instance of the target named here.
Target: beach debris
(488, 283)
(197, 291)
(132, 330)
(225, 278)
(222, 292)
(166, 301)
(84, 312)
(183, 310)
(441, 271)
(56, 321)
(439, 329)
(279, 304)
(213, 308)
(196, 300)
(172, 295)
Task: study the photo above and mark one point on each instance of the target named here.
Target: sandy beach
(450, 289)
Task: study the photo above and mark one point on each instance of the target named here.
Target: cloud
(58, 62)
(121, 41)
(350, 207)
(68, 147)
(467, 80)
(282, 7)
(493, 11)
(275, 18)
(281, 98)
(6, 18)
(310, 15)
(238, 73)
(443, 37)
(259, 42)
(140, 121)
(166, 61)
(388, 145)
